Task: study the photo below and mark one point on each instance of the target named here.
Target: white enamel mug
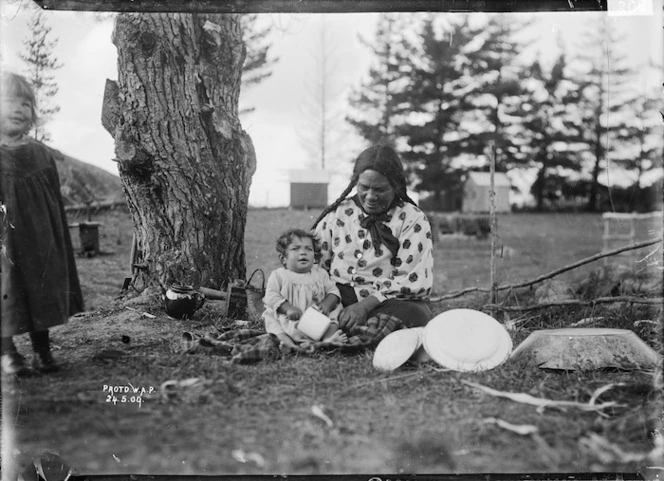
(313, 323)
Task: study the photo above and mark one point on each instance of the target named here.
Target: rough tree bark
(184, 160)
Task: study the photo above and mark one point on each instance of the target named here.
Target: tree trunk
(184, 160)
(541, 188)
(599, 152)
(594, 181)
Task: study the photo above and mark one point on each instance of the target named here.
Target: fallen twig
(608, 452)
(648, 322)
(243, 457)
(542, 403)
(522, 429)
(549, 455)
(513, 324)
(601, 390)
(319, 412)
(587, 321)
(458, 294)
(544, 277)
(582, 262)
(578, 302)
(144, 314)
(440, 369)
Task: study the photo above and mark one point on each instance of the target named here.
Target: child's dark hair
(383, 159)
(287, 237)
(14, 85)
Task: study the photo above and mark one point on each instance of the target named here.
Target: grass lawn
(259, 419)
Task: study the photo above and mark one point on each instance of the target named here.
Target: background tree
(258, 63)
(435, 98)
(377, 104)
(640, 149)
(41, 63)
(184, 160)
(492, 90)
(602, 102)
(322, 121)
(549, 133)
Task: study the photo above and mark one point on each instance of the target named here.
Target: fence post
(492, 217)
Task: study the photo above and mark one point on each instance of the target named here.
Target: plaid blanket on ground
(242, 346)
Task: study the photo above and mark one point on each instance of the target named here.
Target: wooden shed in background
(308, 188)
(476, 192)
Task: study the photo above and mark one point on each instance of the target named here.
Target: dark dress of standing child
(40, 287)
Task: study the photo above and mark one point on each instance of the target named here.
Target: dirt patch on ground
(259, 418)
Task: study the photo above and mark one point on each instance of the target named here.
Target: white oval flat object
(397, 348)
(466, 340)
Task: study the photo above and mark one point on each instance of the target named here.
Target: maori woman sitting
(376, 244)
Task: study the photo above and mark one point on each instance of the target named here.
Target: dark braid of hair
(408, 199)
(385, 160)
(336, 203)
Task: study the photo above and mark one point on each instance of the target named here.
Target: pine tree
(41, 63)
(377, 103)
(641, 139)
(258, 63)
(548, 132)
(434, 96)
(601, 99)
(491, 95)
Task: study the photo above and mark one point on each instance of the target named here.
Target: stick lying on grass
(319, 411)
(578, 302)
(550, 274)
(608, 452)
(545, 403)
(522, 429)
(143, 314)
(548, 454)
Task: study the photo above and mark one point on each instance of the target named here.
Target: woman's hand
(356, 314)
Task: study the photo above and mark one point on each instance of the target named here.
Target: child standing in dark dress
(40, 287)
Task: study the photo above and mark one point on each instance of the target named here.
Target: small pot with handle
(181, 301)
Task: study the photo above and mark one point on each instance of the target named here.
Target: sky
(278, 124)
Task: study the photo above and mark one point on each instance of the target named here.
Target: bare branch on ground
(551, 274)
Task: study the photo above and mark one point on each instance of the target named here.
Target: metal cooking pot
(181, 301)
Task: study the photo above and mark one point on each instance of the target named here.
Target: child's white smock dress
(302, 290)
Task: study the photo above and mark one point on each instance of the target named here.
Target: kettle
(181, 301)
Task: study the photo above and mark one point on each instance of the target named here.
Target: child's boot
(14, 364)
(42, 361)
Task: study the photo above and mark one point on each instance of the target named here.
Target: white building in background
(476, 192)
(308, 188)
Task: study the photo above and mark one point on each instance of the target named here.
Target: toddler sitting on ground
(298, 285)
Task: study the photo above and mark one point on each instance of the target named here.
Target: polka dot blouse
(349, 255)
